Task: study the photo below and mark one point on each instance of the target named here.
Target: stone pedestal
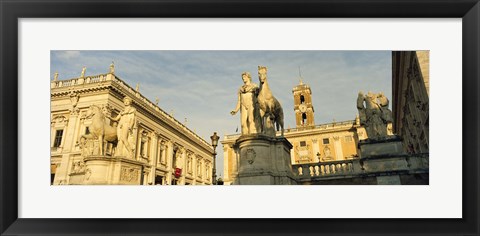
(384, 158)
(387, 147)
(104, 170)
(263, 160)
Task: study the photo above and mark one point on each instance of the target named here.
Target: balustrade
(324, 168)
(81, 80)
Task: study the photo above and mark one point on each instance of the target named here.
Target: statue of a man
(126, 122)
(112, 68)
(83, 72)
(247, 104)
(74, 97)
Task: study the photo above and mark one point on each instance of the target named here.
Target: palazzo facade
(165, 151)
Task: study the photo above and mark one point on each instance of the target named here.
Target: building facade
(165, 152)
(325, 143)
(410, 91)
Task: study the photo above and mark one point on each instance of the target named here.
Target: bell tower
(302, 105)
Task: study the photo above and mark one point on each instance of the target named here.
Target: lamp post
(214, 139)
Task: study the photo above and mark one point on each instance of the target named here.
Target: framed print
(144, 96)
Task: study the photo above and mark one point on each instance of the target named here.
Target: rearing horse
(99, 129)
(269, 105)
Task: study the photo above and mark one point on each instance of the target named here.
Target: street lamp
(214, 139)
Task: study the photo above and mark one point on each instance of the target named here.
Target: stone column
(183, 164)
(68, 142)
(154, 157)
(315, 150)
(226, 162)
(194, 168)
(169, 159)
(338, 148)
(138, 144)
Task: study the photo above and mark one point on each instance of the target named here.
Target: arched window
(302, 99)
(304, 118)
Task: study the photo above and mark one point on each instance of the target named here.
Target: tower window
(58, 138)
(303, 143)
(304, 118)
(302, 99)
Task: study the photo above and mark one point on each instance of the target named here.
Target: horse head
(92, 111)
(262, 74)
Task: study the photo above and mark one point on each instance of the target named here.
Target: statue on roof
(112, 68)
(83, 72)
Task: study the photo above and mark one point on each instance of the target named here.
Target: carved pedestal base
(388, 147)
(384, 159)
(263, 160)
(103, 170)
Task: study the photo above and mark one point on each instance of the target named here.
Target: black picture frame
(11, 11)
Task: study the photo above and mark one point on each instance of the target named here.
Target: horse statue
(99, 129)
(269, 106)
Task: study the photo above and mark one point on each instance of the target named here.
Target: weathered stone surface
(101, 170)
(263, 160)
(376, 148)
(385, 164)
(388, 180)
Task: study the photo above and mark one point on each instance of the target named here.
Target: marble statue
(83, 72)
(55, 76)
(178, 158)
(99, 130)
(112, 68)
(247, 104)
(268, 104)
(86, 146)
(374, 114)
(386, 113)
(269, 125)
(74, 97)
(126, 124)
(78, 167)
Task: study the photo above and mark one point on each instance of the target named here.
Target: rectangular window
(303, 143)
(58, 138)
(326, 141)
(348, 138)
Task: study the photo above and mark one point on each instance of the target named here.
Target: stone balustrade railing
(415, 163)
(330, 168)
(348, 123)
(80, 80)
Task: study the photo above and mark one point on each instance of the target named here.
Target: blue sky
(202, 85)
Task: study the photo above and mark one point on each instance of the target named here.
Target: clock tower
(302, 105)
